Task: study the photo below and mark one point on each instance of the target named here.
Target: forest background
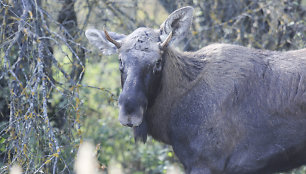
(57, 91)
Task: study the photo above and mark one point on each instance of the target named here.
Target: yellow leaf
(170, 154)
(14, 18)
(31, 14)
(9, 155)
(56, 155)
(249, 11)
(24, 148)
(48, 161)
(194, 33)
(25, 31)
(13, 92)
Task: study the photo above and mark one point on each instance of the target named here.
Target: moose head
(141, 61)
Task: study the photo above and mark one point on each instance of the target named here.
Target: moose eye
(158, 66)
(120, 65)
(158, 63)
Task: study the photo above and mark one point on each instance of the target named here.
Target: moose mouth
(131, 119)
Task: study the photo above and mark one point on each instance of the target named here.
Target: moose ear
(98, 39)
(178, 22)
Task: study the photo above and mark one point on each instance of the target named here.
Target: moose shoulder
(224, 109)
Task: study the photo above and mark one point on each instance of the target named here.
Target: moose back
(224, 108)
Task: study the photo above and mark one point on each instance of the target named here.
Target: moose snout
(131, 110)
(131, 119)
(132, 103)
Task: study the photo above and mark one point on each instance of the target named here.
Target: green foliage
(116, 143)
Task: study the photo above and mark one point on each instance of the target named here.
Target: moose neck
(180, 73)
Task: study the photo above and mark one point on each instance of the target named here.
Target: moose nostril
(130, 125)
(129, 107)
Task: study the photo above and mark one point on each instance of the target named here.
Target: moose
(224, 109)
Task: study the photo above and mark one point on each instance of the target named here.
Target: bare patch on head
(142, 39)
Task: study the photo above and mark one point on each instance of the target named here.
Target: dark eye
(120, 65)
(158, 66)
(158, 63)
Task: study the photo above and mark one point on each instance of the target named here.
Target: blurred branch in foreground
(31, 73)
